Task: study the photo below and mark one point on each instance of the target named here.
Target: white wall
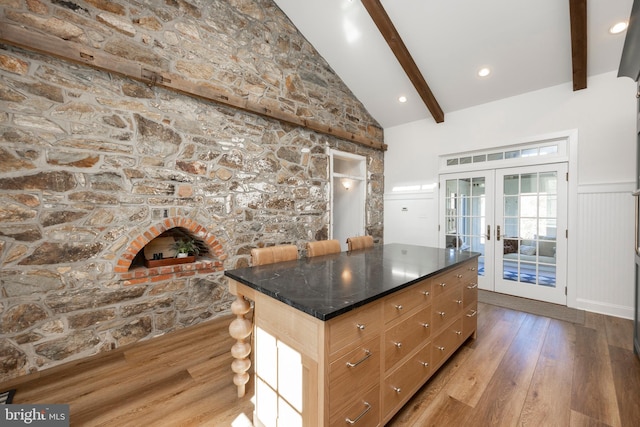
(604, 116)
(348, 211)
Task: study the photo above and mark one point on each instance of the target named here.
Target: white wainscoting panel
(605, 261)
(411, 218)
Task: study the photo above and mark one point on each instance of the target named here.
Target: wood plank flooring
(522, 370)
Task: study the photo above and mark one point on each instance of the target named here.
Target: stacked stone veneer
(94, 165)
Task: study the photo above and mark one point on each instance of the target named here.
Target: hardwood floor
(522, 370)
(526, 369)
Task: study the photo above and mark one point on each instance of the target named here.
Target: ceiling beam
(390, 34)
(71, 51)
(578, 17)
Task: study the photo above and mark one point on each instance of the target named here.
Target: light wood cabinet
(426, 331)
(353, 375)
(399, 304)
(446, 342)
(362, 412)
(354, 327)
(354, 366)
(361, 367)
(401, 383)
(403, 338)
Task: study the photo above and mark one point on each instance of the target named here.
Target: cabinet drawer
(463, 275)
(470, 319)
(445, 282)
(401, 383)
(400, 303)
(362, 412)
(355, 327)
(402, 339)
(470, 293)
(470, 271)
(352, 373)
(446, 343)
(445, 308)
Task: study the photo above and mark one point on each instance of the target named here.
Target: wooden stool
(271, 254)
(323, 247)
(360, 242)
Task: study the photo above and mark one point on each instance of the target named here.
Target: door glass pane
(478, 187)
(464, 187)
(548, 183)
(511, 206)
(528, 228)
(529, 183)
(528, 205)
(510, 227)
(548, 206)
(511, 184)
(529, 238)
(452, 187)
(465, 216)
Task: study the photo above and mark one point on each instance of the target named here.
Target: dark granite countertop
(330, 285)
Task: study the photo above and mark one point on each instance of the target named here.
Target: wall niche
(160, 251)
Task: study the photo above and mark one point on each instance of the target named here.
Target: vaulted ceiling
(430, 51)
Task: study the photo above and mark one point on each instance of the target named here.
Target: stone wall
(94, 165)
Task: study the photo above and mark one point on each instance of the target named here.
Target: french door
(467, 217)
(516, 218)
(530, 232)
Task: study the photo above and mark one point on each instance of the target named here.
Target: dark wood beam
(390, 34)
(96, 58)
(578, 15)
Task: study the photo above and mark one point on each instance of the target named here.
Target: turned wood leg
(240, 329)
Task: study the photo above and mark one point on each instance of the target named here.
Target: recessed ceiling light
(402, 99)
(484, 72)
(619, 27)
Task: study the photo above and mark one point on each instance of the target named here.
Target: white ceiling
(526, 43)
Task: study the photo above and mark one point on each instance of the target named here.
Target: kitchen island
(348, 338)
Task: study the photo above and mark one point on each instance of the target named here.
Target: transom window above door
(540, 152)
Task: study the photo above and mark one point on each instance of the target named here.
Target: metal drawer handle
(472, 268)
(440, 348)
(425, 325)
(443, 284)
(458, 332)
(472, 286)
(367, 354)
(459, 276)
(473, 313)
(399, 307)
(425, 364)
(350, 421)
(459, 301)
(441, 313)
(398, 344)
(397, 390)
(360, 326)
(425, 293)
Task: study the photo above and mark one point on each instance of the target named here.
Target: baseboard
(607, 309)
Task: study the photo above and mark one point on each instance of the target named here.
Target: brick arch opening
(211, 260)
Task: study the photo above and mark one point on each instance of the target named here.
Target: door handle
(488, 232)
(498, 233)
